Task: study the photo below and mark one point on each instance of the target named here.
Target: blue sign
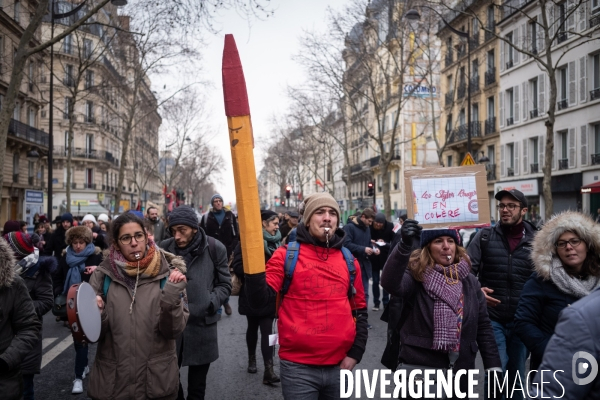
(419, 90)
(34, 196)
(54, 180)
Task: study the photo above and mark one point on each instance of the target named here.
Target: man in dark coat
(19, 328)
(57, 241)
(157, 223)
(382, 234)
(36, 270)
(501, 258)
(209, 284)
(221, 225)
(290, 223)
(358, 241)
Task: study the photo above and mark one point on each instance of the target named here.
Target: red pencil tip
(234, 84)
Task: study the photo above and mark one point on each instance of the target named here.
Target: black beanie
(183, 215)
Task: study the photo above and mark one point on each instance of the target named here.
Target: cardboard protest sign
(455, 197)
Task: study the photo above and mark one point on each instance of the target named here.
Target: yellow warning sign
(468, 160)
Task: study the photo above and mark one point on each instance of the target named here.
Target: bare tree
(202, 165)
(553, 21)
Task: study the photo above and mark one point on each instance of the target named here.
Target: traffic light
(370, 189)
(288, 191)
(283, 202)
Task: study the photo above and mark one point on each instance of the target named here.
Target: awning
(591, 188)
(81, 210)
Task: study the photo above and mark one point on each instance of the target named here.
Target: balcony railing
(73, 185)
(563, 164)
(87, 185)
(29, 133)
(462, 133)
(534, 168)
(490, 125)
(533, 113)
(489, 33)
(15, 178)
(510, 121)
(510, 171)
(449, 98)
(594, 94)
(562, 36)
(69, 82)
(562, 104)
(474, 84)
(596, 159)
(491, 172)
(79, 152)
(595, 20)
(490, 76)
(474, 41)
(509, 64)
(89, 119)
(462, 90)
(374, 161)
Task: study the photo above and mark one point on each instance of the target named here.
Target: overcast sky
(266, 49)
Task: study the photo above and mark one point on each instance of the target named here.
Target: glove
(410, 232)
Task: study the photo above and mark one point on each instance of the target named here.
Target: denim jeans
(513, 355)
(386, 295)
(306, 382)
(28, 387)
(81, 359)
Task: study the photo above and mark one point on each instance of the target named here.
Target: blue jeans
(386, 295)
(306, 382)
(513, 355)
(81, 359)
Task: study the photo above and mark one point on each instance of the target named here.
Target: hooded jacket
(136, 356)
(541, 299)
(318, 324)
(502, 270)
(19, 325)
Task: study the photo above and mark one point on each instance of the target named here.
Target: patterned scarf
(127, 271)
(448, 303)
(272, 242)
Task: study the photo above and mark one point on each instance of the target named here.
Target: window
(491, 154)
(69, 75)
(30, 76)
(15, 168)
(475, 113)
(533, 85)
(30, 171)
(68, 107)
(449, 124)
(89, 143)
(396, 179)
(510, 106)
(510, 160)
(17, 11)
(595, 6)
(475, 69)
(461, 117)
(31, 117)
(597, 139)
(87, 48)
(490, 61)
(562, 18)
(490, 18)
(89, 111)
(89, 178)
(491, 109)
(533, 36)
(68, 44)
(562, 95)
(89, 79)
(509, 51)
(533, 146)
(448, 161)
(596, 70)
(563, 145)
(17, 112)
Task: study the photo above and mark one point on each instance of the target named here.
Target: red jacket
(316, 325)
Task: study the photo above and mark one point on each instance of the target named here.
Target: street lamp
(54, 16)
(413, 15)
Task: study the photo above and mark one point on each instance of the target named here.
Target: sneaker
(376, 308)
(369, 326)
(86, 371)
(77, 386)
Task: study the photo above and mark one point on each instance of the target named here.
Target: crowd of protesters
(516, 292)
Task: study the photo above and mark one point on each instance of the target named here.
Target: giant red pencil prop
(241, 141)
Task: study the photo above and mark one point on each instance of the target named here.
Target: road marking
(47, 342)
(56, 350)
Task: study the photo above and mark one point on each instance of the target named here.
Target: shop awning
(81, 210)
(591, 188)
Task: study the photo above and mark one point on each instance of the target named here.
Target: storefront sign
(419, 90)
(528, 187)
(34, 196)
(448, 197)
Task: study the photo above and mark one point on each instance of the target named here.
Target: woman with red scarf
(141, 293)
(444, 316)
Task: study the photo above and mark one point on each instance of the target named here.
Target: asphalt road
(227, 377)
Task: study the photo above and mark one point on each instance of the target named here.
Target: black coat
(358, 236)
(100, 240)
(416, 334)
(59, 276)
(537, 315)
(501, 270)
(226, 233)
(385, 234)
(267, 310)
(39, 284)
(57, 243)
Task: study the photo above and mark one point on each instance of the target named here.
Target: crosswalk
(56, 350)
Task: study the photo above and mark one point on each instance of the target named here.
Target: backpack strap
(351, 270)
(212, 250)
(108, 281)
(291, 258)
(484, 240)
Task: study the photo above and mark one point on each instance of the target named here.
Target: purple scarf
(446, 303)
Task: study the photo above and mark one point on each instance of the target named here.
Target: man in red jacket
(322, 328)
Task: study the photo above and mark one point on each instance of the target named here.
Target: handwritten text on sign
(445, 200)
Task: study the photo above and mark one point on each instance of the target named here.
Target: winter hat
(183, 215)
(137, 213)
(20, 243)
(380, 218)
(89, 217)
(43, 218)
(428, 235)
(266, 214)
(317, 200)
(216, 196)
(79, 232)
(11, 226)
(103, 217)
(67, 217)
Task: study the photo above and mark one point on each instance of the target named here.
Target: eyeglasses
(510, 206)
(139, 237)
(573, 242)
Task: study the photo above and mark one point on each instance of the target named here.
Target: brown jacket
(136, 356)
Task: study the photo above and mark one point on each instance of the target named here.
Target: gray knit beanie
(183, 215)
